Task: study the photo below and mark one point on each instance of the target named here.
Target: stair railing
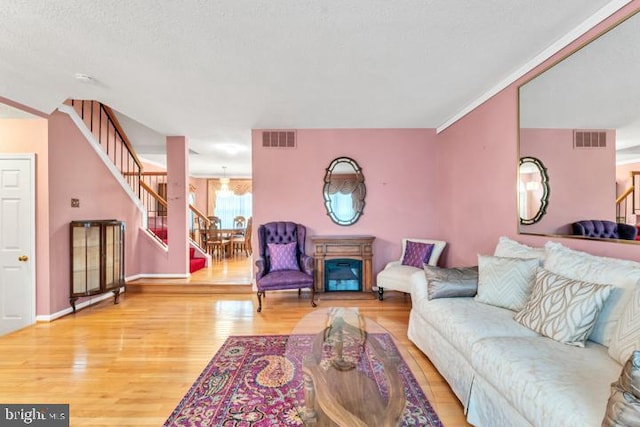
(106, 128)
(199, 226)
(150, 187)
(156, 212)
(623, 202)
(154, 199)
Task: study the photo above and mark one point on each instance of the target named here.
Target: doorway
(17, 241)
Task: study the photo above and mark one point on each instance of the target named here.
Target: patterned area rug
(258, 381)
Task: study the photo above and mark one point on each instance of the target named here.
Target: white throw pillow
(626, 337)
(507, 247)
(563, 309)
(505, 282)
(622, 274)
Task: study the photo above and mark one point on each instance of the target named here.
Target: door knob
(23, 258)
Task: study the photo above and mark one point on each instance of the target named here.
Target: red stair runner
(195, 264)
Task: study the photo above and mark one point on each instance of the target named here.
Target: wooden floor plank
(131, 363)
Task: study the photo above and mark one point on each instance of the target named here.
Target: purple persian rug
(258, 381)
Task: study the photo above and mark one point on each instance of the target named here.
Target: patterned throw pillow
(451, 282)
(623, 407)
(562, 309)
(416, 254)
(505, 282)
(509, 248)
(283, 256)
(626, 337)
(577, 265)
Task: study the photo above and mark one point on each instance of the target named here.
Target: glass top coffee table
(354, 374)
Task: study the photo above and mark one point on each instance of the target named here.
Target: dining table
(224, 237)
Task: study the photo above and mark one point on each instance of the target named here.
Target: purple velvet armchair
(279, 274)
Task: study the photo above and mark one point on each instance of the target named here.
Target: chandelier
(224, 190)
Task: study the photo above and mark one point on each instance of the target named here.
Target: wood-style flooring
(228, 275)
(130, 364)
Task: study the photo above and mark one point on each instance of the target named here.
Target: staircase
(195, 263)
(107, 131)
(628, 203)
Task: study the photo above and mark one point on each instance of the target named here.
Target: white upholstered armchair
(399, 275)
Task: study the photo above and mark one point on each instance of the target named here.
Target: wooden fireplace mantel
(352, 247)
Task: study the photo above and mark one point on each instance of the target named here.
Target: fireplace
(343, 274)
(343, 249)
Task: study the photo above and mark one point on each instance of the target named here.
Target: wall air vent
(279, 139)
(589, 139)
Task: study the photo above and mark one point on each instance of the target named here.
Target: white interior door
(17, 230)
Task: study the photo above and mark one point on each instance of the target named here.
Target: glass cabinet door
(113, 256)
(86, 259)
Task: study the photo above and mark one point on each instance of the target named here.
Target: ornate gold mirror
(344, 191)
(533, 190)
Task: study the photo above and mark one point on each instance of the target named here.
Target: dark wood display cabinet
(97, 259)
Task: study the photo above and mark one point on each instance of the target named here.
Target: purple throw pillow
(283, 256)
(416, 254)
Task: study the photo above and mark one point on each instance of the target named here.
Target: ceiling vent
(279, 139)
(589, 139)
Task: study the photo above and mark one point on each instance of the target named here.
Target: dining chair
(202, 232)
(239, 227)
(239, 222)
(215, 220)
(241, 243)
(217, 245)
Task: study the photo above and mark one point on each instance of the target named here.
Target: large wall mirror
(581, 119)
(344, 191)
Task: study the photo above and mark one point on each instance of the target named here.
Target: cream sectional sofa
(504, 373)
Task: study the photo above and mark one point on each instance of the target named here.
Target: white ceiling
(215, 69)
(595, 88)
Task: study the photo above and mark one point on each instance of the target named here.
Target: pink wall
(152, 167)
(30, 136)
(479, 163)
(76, 171)
(581, 180)
(483, 145)
(174, 260)
(400, 167)
(199, 183)
(177, 203)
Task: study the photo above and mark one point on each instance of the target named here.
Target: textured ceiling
(213, 70)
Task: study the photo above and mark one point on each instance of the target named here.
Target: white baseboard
(157, 276)
(83, 304)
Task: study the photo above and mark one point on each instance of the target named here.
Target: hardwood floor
(130, 364)
(227, 275)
